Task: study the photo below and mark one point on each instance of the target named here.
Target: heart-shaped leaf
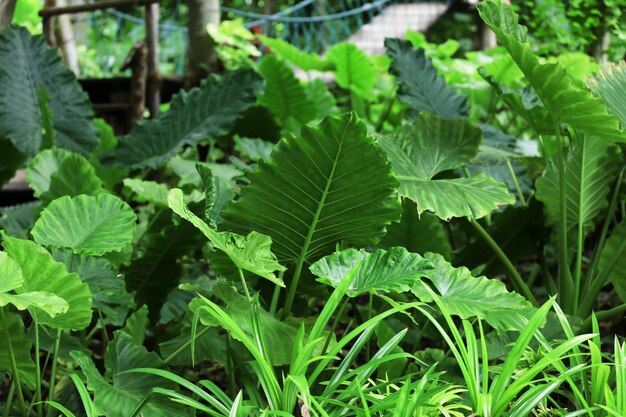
(87, 225)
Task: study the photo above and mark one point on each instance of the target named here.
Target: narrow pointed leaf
(421, 87)
(331, 184)
(393, 270)
(566, 102)
(87, 225)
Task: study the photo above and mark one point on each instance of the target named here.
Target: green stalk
(274, 302)
(517, 280)
(16, 375)
(53, 372)
(245, 286)
(184, 346)
(565, 283)
(37, 368)
(518, 189)
(7, 405)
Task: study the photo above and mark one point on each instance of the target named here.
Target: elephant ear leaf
(124, 391)
(467, 296)
(610, 84)
(432, 145)
(331, 184)
(90, 225)
(390, 270)
(250, 253)
(28, 65)
(204, 112)
(420, 86)
(11, 279)
(565, 102)
(43, 275)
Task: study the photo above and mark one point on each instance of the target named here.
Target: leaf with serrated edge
(467, 296)
(433, 145)
(251, 253)
(420, 86)
(392, 270)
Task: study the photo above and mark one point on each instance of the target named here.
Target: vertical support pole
(7, 10)
(152, 40)
(48, 24)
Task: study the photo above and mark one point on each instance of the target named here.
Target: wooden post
(48, 23)
(152, 41)
(7, 9)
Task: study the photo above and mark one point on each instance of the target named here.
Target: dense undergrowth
(427, 236)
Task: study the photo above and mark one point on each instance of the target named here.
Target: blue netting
(311, 25)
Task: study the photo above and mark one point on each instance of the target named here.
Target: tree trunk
(271, 7)
(66, 41)
(7, 8)
(201, 56)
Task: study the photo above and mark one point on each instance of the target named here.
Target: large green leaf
(42, 273)
(331, 184)
(40, 169)
(565, 102)
(18, 220)
(74, 176)
(353, 68)
(417, 233)
(613, 259)
(251, 253)
(393, 270)
(432, 145)
(118, 394)
(467, 296)
(147, 191)
(590, 168)
(28, 64)
(11, 279)
(284, 95)
(295, 56)
(421, 87)
(87, 225)
(610, 84)
(207, 111)
(21, 345)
